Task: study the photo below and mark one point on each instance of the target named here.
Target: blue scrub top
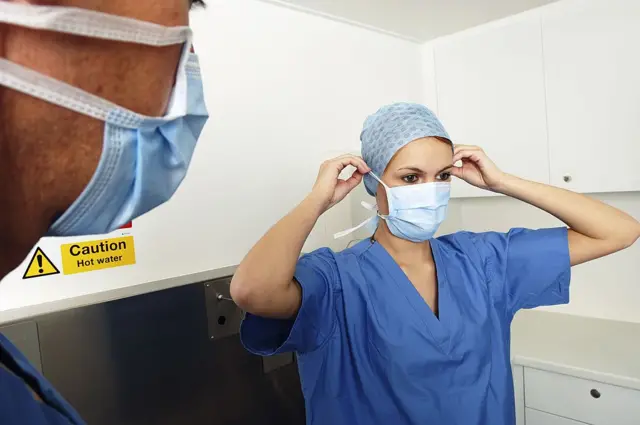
(371, 351)
(17, 404)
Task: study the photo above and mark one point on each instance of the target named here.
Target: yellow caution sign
(40, 265)
(83, 257)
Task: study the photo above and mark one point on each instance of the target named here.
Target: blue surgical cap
(389, 130)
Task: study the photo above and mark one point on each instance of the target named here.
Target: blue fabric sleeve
(530, 268)
(17, 404)
(318, 277)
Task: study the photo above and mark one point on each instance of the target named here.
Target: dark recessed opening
(222, 320)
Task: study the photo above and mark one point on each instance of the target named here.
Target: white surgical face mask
(144, 159)
(415, 211)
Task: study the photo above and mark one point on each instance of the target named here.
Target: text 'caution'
(83, 257)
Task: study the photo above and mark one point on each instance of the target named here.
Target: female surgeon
(404, 328)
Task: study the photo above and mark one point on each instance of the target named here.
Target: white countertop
(23, 313)
(596, 349)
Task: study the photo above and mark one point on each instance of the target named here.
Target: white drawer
(571, 397)
(518, 386)
(536, 417)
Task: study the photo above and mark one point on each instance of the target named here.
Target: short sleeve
(318, 277)
(531, 268)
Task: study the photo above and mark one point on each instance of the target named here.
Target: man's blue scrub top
(371, 351)
(17, 404)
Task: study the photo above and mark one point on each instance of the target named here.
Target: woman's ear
(381, 200)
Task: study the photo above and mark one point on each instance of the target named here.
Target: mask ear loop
(93, 24)
(370, 207)
(388, 190)
(378, 178)
(364, 223)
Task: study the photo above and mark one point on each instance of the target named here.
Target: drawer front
(580, 399)
(518, 386)
(536, 417)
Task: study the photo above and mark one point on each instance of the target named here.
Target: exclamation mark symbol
(39, 258)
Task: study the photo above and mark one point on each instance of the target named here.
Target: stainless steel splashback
(163, 358)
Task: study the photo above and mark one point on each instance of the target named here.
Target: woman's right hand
(329, 189)
(263, 283)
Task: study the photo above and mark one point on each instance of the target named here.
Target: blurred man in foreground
(101, 105)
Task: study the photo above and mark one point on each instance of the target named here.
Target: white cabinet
(535, 417)
(552, 95)
(576, 369)
(490, 92)
(580, 399)
(518, 387)
(550, 398)
(592, 69)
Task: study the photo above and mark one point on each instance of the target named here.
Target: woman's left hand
(476, 169)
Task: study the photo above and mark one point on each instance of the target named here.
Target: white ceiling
(418, 20)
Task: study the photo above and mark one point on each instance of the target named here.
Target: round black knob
(595, 393)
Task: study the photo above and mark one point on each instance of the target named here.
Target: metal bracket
(223, 315)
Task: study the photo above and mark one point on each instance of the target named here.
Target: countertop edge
(28, 312)
(605, 378)
(25, 313)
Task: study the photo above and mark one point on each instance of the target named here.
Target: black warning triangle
(40, 265)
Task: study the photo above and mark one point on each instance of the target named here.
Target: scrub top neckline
(435, 327)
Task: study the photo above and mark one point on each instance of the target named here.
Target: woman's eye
(411, 178)
(444, 176)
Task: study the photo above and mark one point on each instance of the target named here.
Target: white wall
(285, 90)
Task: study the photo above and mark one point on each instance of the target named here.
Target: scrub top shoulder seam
(487, 271)
(336, 283)
(336, 290)
(473, 237)
(358, 251)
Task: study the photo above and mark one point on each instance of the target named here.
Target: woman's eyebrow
(445, 168)
(416, 169)
(419, 170)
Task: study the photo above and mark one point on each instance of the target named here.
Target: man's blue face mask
(144, 159)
